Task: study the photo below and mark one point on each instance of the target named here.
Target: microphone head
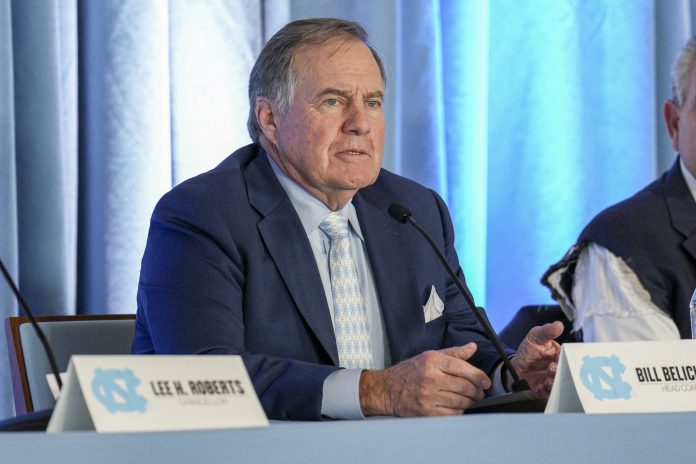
(399, 212)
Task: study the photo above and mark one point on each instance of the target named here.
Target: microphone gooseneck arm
(32, 319)
(403, 215)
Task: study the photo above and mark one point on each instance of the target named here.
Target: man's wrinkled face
(331, 138)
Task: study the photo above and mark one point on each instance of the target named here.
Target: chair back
(66, 335)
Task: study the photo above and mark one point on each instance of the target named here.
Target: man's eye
(373, 103)
(332, 102)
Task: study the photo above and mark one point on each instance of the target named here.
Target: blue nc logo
(115, 389)
(601, 375)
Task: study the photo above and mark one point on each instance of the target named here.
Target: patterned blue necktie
(350, 318)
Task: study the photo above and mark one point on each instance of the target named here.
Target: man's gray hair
(681, 72)
(273, 76)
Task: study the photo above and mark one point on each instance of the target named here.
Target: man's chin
(357, 182)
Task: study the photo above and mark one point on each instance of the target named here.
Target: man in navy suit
(239, 260)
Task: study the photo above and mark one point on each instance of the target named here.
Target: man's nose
(357, 121)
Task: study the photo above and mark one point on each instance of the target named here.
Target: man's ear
(266, 117)
(671, 115)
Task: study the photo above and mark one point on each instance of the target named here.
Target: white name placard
(156, 393)
(625, 377)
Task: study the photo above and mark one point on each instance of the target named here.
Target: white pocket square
(434, 307)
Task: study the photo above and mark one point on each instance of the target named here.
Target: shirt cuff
(497, 386)
(341, 395)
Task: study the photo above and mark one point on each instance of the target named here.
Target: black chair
(533, 315)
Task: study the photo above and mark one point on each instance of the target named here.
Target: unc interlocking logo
(115, 389)
(601, 375)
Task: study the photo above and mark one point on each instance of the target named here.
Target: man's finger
(455, 401)
(461, 352)
(545, 333)
(460, 386)
(457, 367)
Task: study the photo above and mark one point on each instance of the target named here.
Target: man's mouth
(352, 152)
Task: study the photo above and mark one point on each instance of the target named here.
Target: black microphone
(534, 403)
(25, 307)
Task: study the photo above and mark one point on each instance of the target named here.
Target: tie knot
(335, 225)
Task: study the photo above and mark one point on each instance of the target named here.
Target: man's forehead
(335, 64)
(330, 47)
(334, 53)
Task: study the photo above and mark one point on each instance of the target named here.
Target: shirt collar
(310, 210)
(689, 178)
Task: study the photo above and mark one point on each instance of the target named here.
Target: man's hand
(432, 383)
(537, 357)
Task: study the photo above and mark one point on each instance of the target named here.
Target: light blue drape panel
(8, 168)
(8, 191)
(465, 50)
(164, 99)
(571, 130)
(44, 40)
(422, 119)
(213, 48)
(38, 162)
(125, 144)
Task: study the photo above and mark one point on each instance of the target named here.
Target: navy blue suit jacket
(228, 269)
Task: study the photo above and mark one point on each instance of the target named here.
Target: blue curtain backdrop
(527, 116)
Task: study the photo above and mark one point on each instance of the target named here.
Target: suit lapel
(682, 209)
(287, 243)
(396, 283)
